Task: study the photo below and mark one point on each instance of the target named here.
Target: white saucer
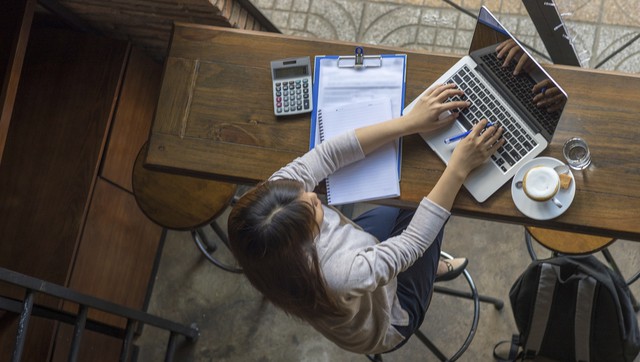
(541, 210)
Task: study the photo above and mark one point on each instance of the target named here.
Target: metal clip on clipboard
(359, 60)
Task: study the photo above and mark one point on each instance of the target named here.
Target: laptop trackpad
(436, 141)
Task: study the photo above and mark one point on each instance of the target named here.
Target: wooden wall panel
(117, 253)
(133, 118)
(38, 341)
(15, 24)
(58, 129)
(50, 193)
(114, 263)
(95, 347)
(54, 144)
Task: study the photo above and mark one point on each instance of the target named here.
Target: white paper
(335, 86)
(374, 177)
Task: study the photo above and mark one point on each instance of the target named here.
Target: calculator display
(290, 72)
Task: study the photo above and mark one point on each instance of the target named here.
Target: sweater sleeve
(375, 264)
(325, 159)
(378, 264)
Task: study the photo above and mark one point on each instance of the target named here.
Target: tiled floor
(235, 323)
(599, 27)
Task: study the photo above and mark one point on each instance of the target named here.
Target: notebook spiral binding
(328, 190)
(320, 127)
(321, 131)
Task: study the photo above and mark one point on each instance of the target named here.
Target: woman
(365, 293)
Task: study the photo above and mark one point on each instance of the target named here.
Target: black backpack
(573, 308)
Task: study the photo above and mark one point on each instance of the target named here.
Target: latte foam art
(541, 183)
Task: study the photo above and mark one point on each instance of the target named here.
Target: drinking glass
(576, 152)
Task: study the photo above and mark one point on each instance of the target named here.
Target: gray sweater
(359, 270)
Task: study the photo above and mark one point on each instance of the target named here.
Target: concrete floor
(237, 325)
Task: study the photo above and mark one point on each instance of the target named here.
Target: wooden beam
(16, 19)
(67, 16)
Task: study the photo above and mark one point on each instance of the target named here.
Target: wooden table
(215, 119)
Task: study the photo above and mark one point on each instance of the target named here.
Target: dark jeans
(415, 285)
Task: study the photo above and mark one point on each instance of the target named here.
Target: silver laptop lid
(538, 97)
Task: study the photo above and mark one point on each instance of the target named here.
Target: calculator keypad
(292, 96)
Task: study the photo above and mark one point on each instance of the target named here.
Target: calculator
(291, 86)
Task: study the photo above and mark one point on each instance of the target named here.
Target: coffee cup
(541, 184)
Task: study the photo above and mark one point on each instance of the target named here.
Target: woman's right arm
(323, 160)
(391, 257)
(470, 153)
(336, 153)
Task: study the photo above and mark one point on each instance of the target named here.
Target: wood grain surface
(215, 119)
(176, 201)
(564, 242)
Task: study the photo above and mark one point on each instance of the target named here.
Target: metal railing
(26, 308)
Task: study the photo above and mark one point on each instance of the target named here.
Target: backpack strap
(514, 346)
(582, 326)
(542, 307)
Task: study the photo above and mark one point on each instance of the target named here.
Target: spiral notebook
(374, 177)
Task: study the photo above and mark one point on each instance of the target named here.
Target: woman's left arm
(342, 150)
(423, 118)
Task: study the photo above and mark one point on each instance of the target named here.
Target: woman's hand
(424, 117)
(512, 51)
(548, 96)
(476, 148)
(470, 153)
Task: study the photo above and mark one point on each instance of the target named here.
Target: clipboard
(346, 81)
(340, 80)
(359, 60)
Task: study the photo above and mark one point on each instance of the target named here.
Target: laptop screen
(537, 95)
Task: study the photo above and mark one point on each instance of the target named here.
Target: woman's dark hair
(271, 232)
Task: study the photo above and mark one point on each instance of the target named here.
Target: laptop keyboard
(521, 86)
(484, 104)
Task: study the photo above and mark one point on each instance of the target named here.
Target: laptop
(502, 98)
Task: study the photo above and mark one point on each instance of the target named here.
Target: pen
(462, 135)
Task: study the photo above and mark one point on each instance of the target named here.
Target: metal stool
(568, 243)
(187, 203)
(472, 295)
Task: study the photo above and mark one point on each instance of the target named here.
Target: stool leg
(221, 234)
(472, 295)
(527, 239)
(374, 358)
(201, 240)
(532, 253)
(208, 244)
(614, 266)
(432, 347)
(633, 278)
(497, 303)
